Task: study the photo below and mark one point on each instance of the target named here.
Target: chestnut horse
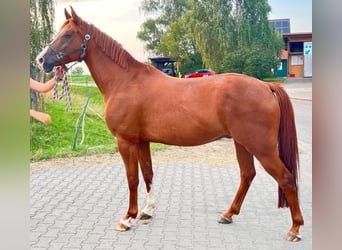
(144, 105)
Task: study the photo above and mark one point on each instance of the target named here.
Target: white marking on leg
(127, 222)
(150, 204)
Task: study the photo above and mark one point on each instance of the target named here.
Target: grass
(275, 79)
(80, 78)
(55, 140)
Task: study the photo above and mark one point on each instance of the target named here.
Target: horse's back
(195, 111)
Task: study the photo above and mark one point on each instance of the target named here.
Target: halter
(82, 49)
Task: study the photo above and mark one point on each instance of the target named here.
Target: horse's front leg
(147, 171)
(129, 154)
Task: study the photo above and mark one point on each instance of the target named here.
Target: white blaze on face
(40, 57)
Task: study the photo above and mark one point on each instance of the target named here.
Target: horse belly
(173, 137)
(184, 130)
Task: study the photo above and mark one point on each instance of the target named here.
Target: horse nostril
(40, 56)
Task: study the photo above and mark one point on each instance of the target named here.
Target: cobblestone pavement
(76, 203)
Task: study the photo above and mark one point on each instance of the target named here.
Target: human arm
(46, 87)
(42, 117)
(42, 87)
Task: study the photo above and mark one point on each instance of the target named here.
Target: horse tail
(287, 139)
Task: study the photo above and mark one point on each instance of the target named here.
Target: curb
(301, 99)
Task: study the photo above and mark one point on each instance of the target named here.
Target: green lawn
(80, 78)
(275, 79)
(57, 138)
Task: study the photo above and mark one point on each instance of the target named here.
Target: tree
(151, 33)
(227, 35)
(258, 45)
(178, 43)
(42, 16)
(78, 70)
(211, 26)
(236, 36)
(167, 32)
(164, 13)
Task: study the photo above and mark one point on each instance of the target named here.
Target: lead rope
(65, 91)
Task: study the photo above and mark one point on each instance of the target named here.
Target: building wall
(296, 71)
(295, 64)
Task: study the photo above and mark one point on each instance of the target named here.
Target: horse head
(69, 45)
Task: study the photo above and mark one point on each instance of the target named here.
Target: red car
(200, 73)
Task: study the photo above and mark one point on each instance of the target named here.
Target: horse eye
(67, 35)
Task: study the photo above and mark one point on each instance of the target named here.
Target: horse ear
(67, 15)
(74, 15)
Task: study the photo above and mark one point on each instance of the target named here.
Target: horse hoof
(144, 216)
(292, 237)
(146, 222)
(224, 220)
(121, 227)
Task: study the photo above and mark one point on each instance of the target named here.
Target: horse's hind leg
(247, 173)
(276, 168)
(145, 162)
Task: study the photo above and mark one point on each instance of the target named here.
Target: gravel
(215, 154)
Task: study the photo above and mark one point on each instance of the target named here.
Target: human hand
(59, 72)
(44, 118)
(40, 116)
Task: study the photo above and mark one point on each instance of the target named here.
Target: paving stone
(78, 207)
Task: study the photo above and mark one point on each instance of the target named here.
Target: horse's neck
(105, 72)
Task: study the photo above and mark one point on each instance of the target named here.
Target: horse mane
(111, 47)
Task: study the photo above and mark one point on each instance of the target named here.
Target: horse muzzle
(45, 61)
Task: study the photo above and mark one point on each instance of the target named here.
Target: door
(307, 59)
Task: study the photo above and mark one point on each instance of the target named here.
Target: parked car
(165, 64)
(169, 71)
(200, 73)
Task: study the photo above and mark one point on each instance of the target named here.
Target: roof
(299, 34)
(162, 59)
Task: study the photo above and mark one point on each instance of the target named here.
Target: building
(296, 59)
(281, 25)
(299, 49)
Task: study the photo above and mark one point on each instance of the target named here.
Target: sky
(299, 12)
(122, 19)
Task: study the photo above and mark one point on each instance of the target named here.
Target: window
(296, 46)
(281, 25)
(297, 60)
(280, 66)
